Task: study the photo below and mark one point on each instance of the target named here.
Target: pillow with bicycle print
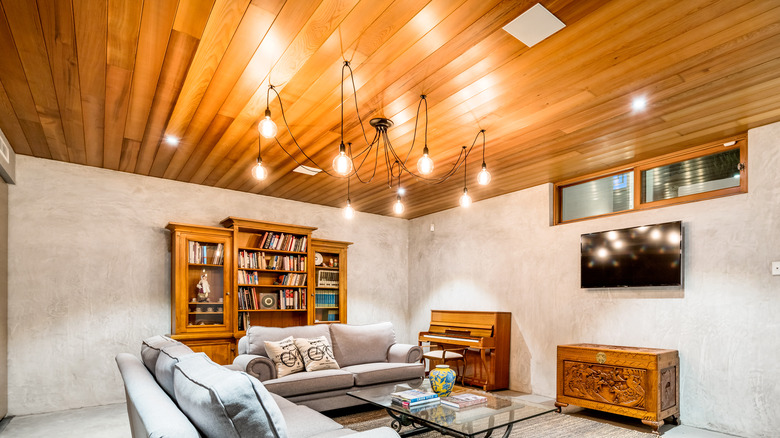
(317, 354)
(285, 355)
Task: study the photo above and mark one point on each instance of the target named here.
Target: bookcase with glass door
(330, 281)
(201, 260)
(272, 272)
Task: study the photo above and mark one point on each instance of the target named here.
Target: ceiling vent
(307, 170)
(534, 25)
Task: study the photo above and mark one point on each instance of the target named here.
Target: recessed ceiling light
(534, 25)
(171, 140)
(639, 103)
(401, 191)
(306, 170)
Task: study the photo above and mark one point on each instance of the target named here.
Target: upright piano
(486, 335)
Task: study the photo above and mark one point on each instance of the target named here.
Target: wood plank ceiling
(101, 83)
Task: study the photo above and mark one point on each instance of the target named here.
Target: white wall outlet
(775, 268)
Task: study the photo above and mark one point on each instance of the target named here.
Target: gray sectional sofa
(366, 354)
(174, 392)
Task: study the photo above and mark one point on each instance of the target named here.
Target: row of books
(250, 298)
(246, 277)
(258, 260)
(281, 242)
(243, 321)
(253, 278)
(205, 253)
(326, 299)
(291, 280)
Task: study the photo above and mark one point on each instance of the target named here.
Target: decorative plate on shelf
(317, 258)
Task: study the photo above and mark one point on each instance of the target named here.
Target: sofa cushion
(317, 354)
(224, 403)
(150, 349)
(257, 335)
(383, 372)
(304, 422)
(286, 357)
(356, 344)
(306, 383)
(168, 358)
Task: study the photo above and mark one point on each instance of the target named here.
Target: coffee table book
(458, 401)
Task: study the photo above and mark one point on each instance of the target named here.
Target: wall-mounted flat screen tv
(650, 255)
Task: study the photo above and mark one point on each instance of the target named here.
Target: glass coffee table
(472, 421)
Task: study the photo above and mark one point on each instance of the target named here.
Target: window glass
(697, 175)
(599, 196)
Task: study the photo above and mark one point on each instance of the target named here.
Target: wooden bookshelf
(330, 281)
(201, 258)
(242, 270)
(273, 273)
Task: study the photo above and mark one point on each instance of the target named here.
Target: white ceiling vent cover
(307, 170)
(534, 25)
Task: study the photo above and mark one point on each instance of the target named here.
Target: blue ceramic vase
(442, 380)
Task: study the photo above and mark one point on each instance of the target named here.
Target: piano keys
(486, 337)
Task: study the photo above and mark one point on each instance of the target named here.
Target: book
(413, 395)
(463, 400)
(419, 404)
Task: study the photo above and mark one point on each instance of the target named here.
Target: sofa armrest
(257, 366)
(380, 432)
(404, 353)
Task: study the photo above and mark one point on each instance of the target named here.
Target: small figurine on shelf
(203, 288)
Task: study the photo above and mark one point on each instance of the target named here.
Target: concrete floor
(111, 421)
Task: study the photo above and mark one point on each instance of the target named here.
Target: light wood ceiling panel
(102, 82)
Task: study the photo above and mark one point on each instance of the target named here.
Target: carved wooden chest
(642, 383)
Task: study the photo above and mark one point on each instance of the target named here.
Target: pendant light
(465, 199)
(425, 163)
(398, 207)
(267, 127)
(483, 177)
(259, 171)
(349, 212)
(342, 164)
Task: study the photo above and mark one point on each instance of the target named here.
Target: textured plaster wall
(89, 271)
(3, 298)
(501, 254)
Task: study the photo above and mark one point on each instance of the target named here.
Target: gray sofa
(367, 356)
(174, 392)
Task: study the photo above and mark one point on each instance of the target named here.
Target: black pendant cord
(464, 172)
(287, 126)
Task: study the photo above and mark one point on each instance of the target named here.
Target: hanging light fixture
(425, 163)
(483, 177)
(398, 207)
(349, 212)
(259, 171)
(342, 164)
(346, 164)
(465, 199)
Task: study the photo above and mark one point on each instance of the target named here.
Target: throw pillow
(225, 404)
(317, 354)
(285, 356)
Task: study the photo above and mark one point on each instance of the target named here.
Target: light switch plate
(775, 268)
